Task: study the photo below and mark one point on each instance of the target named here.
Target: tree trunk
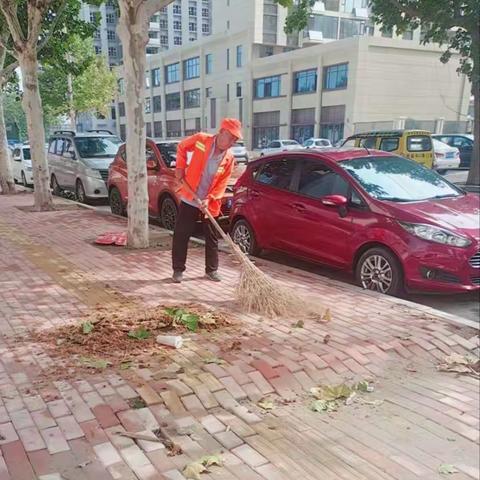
(7, 184)
(133, 33)
(474, 173)
(71, 109)
(32, 106)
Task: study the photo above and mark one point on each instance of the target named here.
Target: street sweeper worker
(204, 165)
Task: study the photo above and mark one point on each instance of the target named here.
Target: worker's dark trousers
(186, 221)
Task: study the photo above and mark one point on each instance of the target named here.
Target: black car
(462, 141)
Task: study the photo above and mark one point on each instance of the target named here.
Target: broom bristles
(257, 292)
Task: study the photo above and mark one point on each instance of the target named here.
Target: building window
(205, 12)
(228, 92)
(228, 58)
(192, 27)
(174, 128)
(191, 68)
(303, 124)
(266, 127)
(147, 79)
(208, 63)
(267, 87)
(172, 101)
(93, 17)
(164, 39)
(305, 81)
(177, 25)
(239, 89)
(408, 35)
(205, 28)
(213, 113)
(270, 21)
(123, 132)
(156, 77)
(121, 109)
(121, 86)
(97, 35)
(351, 28)
(228, 24)
(113, 113)
(326, 24)
(154, 18)
(111, 18)
(387, 32)
(192, 11)
(148, 105)
(177, 40)
(191, 98)
(157, 129)
(98, 50)
(240, 109)
(111, 34)
(192, 126)
(332, 122)
(335, 77)
(164, 24)
(152, 50)
(112, 52)
(153, 34)
(157, 103)
(239, 56)
(208, 92)
(172, 73)
(149, 130)
(177, 9)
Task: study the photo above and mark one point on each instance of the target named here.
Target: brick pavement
(51, 274)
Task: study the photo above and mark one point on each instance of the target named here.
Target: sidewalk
(416, 420)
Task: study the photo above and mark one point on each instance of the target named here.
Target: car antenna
(368, 151)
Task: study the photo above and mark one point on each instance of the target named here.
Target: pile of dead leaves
(118, 338)
(466, 364)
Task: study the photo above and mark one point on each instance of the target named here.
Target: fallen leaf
(126, 365)
(139, 334)
(84, 464)
(447, 469)
(217, 361)
(365, 386)
(190, 320)
(136, 403)
(299, 324)
(332, 392)
(323, 406)
(350, 399)
(327, 316)
(266, 404)
(96, 363)
(193, 470)
(87, 327)
(209, 460)
(326, 338)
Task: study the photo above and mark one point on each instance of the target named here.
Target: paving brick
(228, 439)
(148, 394)
(134, 457)
(17, 462)
(261, 383)
(43, 419)
(58, 408)
(55, 440)
(69, 427)
(31, 439)
(250, 456)
(93, 432)
(7, 434)
(107, 454)
(173, 403)
(105, 416)
(265, 369)
(206, 397)
(233, 388)
(212, 424)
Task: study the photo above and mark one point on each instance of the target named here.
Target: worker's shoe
(177, 277)
(214, 276)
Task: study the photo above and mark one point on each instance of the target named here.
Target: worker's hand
(205, 203)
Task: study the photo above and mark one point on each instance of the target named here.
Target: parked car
(446, 157)
(22, 165)
(280, 146)
(391, 221)
(413, 144)
(163, 200)
(240, 151)
(317, 143)
(79, 162)
(168, 150)
(462, 141)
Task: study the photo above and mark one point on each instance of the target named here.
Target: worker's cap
(233, 126)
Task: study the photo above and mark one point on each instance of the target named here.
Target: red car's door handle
(299, 207)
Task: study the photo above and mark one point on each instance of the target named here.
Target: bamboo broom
(256, 292)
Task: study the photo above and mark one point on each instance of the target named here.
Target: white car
(317, 143)
(240, 152)
(281, 146)
(445, 156)
(22, 165)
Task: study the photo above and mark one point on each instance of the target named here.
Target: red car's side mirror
(334, 201)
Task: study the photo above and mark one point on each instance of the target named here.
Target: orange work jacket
(200, 145)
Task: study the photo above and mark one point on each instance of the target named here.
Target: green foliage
(190, 320)
(13, 111)
(139, 334)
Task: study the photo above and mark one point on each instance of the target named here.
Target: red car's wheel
(116, 205)
(243, 235)
(378, 269)
(168, 213)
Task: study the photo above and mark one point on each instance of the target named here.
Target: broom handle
(208, 214)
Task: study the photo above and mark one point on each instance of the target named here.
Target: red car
(392, 222)
(163, 201)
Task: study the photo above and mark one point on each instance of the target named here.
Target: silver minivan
(79, 162)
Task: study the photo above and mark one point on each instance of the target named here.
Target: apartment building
(331, 89)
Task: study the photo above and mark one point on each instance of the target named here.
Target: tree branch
(9, 10)
(47, 37)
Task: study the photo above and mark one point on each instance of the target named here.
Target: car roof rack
(64, 132)
(100, 131)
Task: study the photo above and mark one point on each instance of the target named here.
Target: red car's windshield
(398, 179)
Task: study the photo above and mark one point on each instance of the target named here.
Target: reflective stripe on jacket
(197, 148)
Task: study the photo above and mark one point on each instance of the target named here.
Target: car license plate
(450, 155)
